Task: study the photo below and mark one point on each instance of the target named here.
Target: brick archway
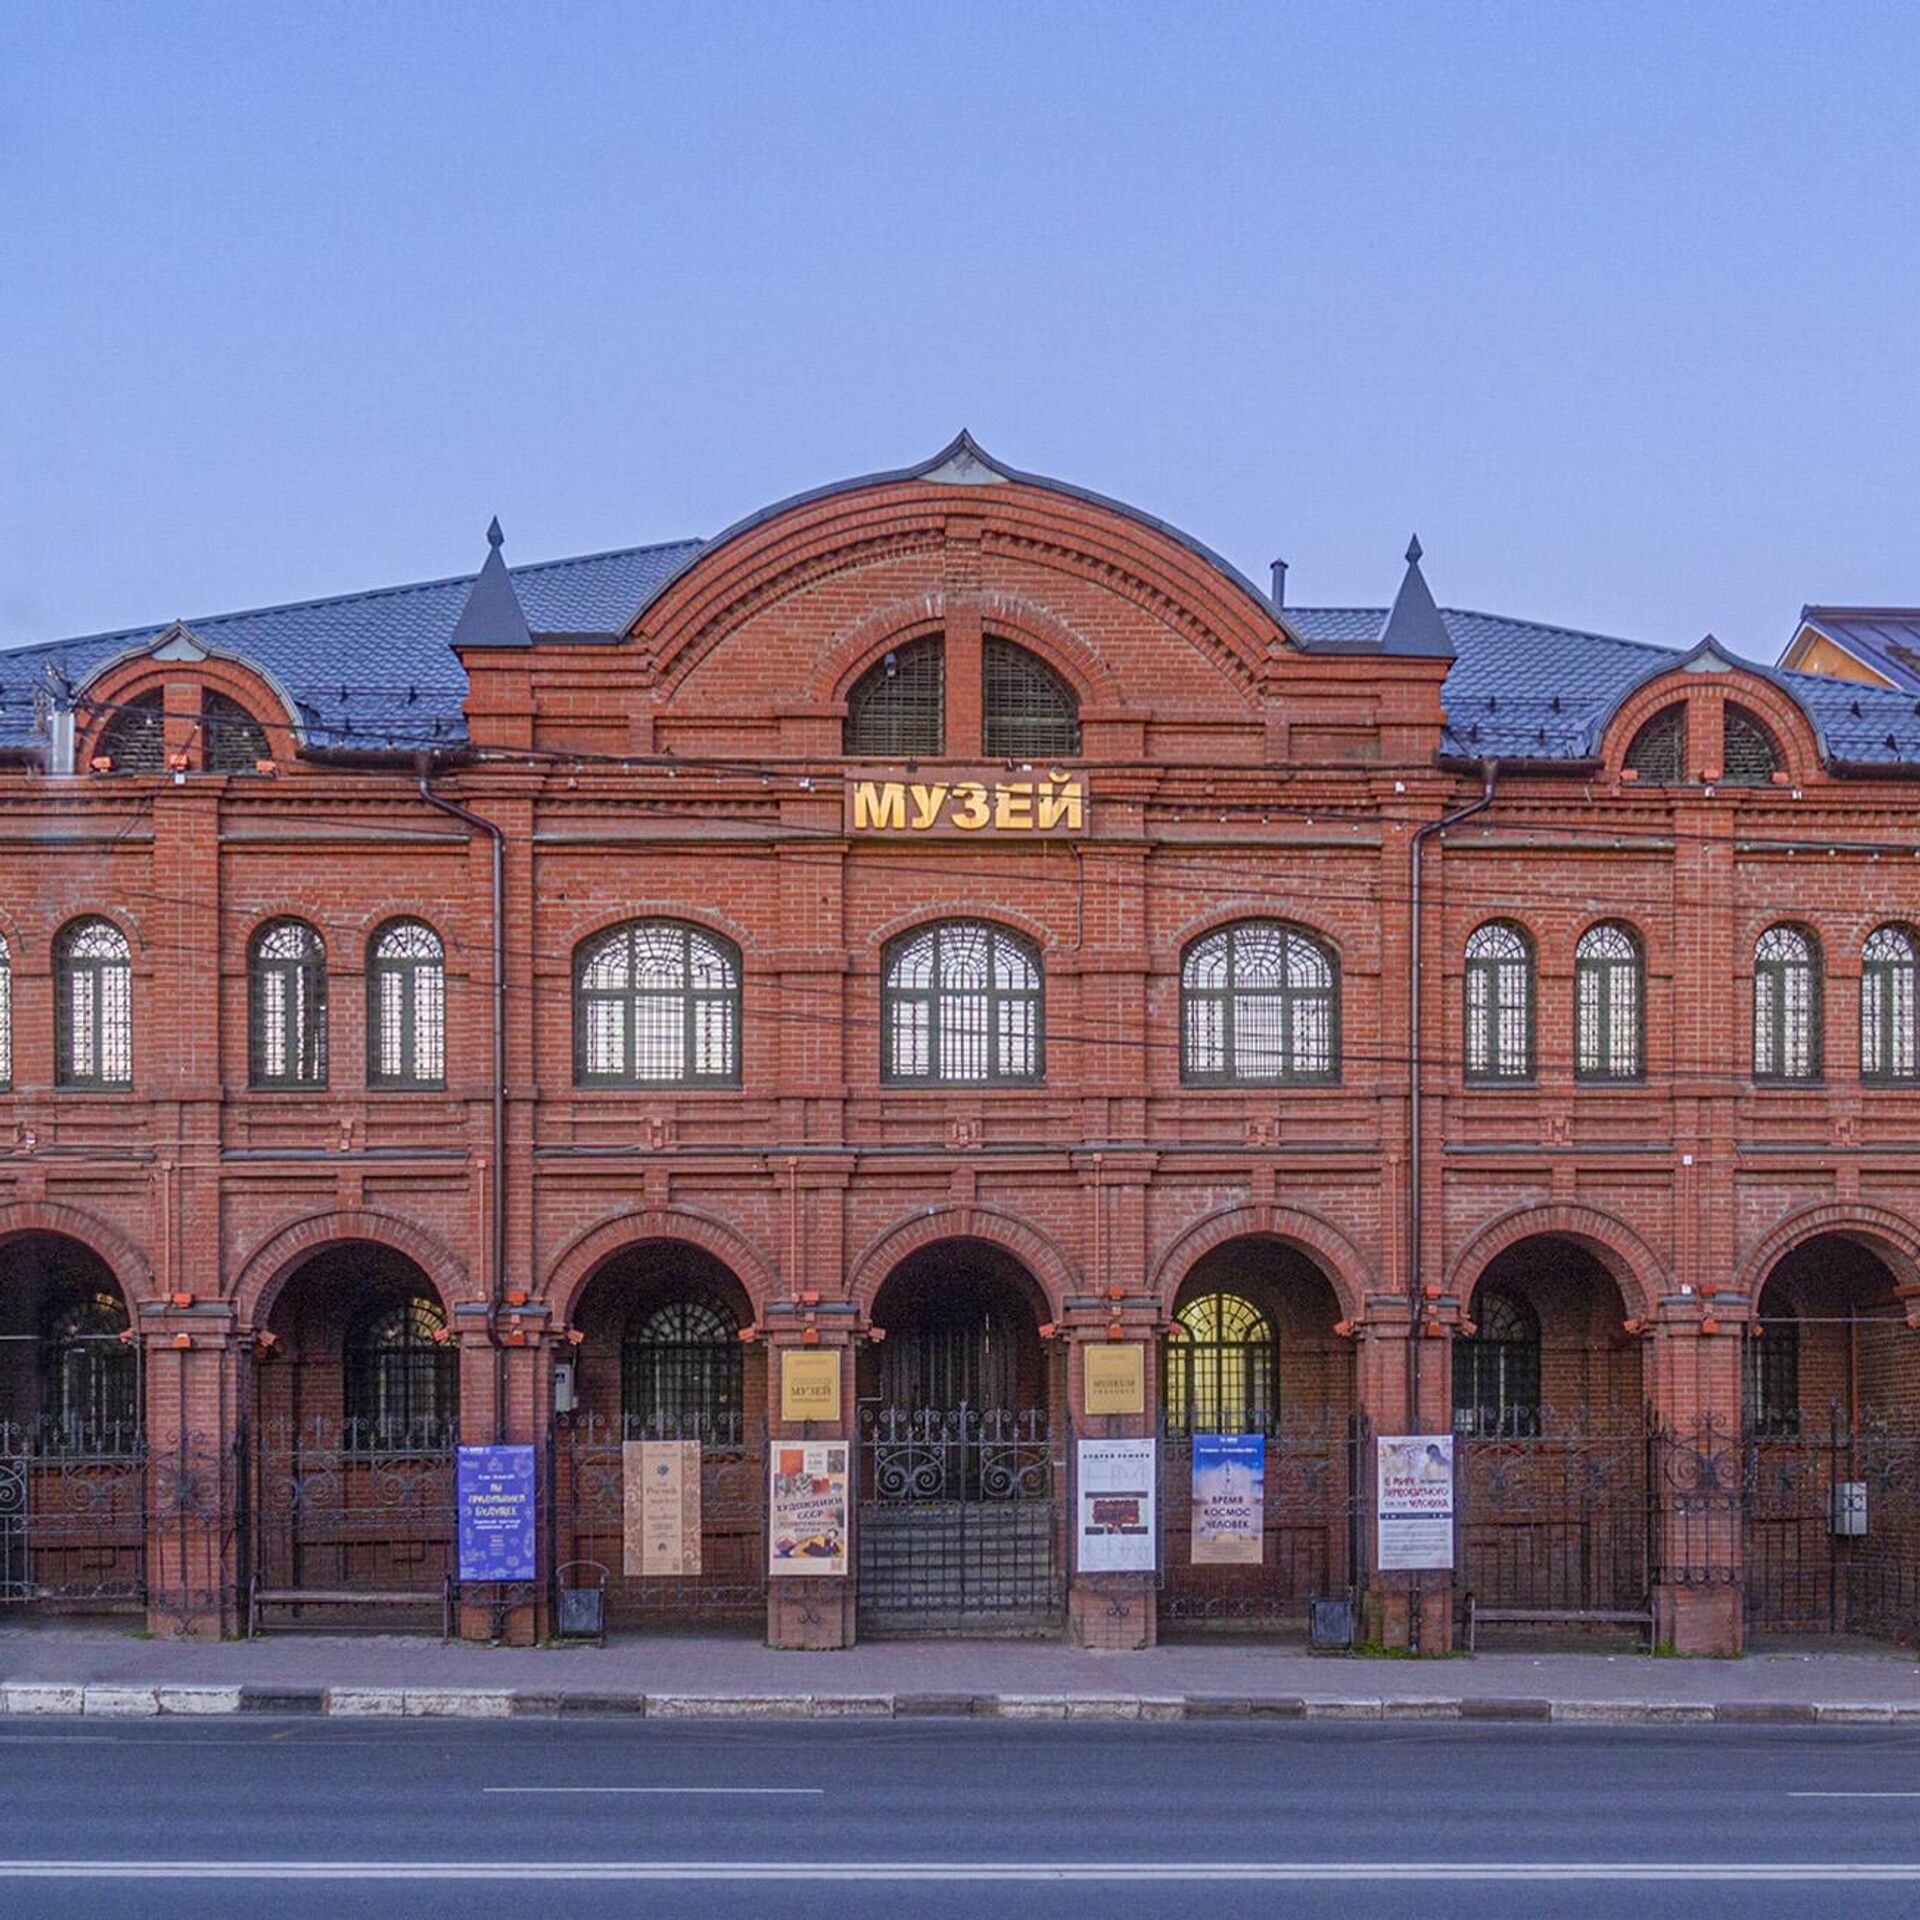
(267, 1270)
(1055, 1274)
(124, 1256)
(1633, 1266)
(590, 1251)
(1346, 1268)
(1892, 1239)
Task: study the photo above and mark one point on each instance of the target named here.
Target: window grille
(1496, 1369)
(1659, 750)
(1786, 1006)
(90, 1384)
(1499, 1003)
(683, 1373)
(402, 1384)
(1749, 756)
(657, 1003)
(1259, 1004)
(93, 1007)
(1222, 1368)
(1028, 712)
(135, 739)
(6, 1016)
(288, 1003)
(897, 709)
(235, 741)
(406, 1007)
(1889, 1006)
(1608, 1015)
(1772, 1384)
(960, 1005)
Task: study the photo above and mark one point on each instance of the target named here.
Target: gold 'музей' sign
(970, 802)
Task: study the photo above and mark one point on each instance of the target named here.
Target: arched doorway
(356, 1420)
(1253, 1352)
(959, 1531)
(73, 1455)
(1830, 1421)
(1552, 1437)
(661, 1360)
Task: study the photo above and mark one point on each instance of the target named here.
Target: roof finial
(493, 616)
(1414, 626)
(495, 538)
(1414, 551)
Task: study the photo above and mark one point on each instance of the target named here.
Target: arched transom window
(897, 709)
(1786, 1006)
(1259, 1003)
(288, 1006)
(1222, 1368)
(960, 1005)
(1499, 1003)
(1658, 754)
(1496, 1368)
(1027, 711)
(1609, 1015)
(402, 1384)
(657, 1003)
(1889, 1006)
(93, 1006)
(682, 1372)
(406, 1007)
(1749, 755)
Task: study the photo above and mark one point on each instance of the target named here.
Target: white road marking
(970, 1870)
(1843, 1793)
(747, 1790)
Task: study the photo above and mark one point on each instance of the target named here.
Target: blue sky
(1616, 305)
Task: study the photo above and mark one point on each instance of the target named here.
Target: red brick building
(955, 923)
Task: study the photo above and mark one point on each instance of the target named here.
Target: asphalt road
(535, 1818)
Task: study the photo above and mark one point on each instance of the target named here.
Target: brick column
(811, 1611)
(1115, 1611)
(1694, 1467)
(194, 1574)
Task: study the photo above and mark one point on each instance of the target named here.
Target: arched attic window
(1027, 711)
(1658, 754)
(134, 739)
(897, 709)
(1749, 754)
(233, 740)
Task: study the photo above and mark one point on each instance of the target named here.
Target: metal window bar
(1786, 1006)
(402, 1385)
(93, 1007)
(1889, 1006)
(1658, 753)
(1771, 1397)
(961, 1005)
(1498, 1022)
(1222, 1369)
(1260, 1005)
(406, 1007)
(288, 980)
(1608, 1028)
(134, 740)
(235, 741)
(1496, 1369)
(1027, 710)
(683, 1374)
(897, 708)
(1749, 756)
(657, 1003)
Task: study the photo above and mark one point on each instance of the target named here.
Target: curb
(118, 1701)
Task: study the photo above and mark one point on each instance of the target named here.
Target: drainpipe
(1489, 773)
(497, 1282)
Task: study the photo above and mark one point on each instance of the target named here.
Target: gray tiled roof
(375, 669)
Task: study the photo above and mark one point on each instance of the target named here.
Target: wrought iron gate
(959, 1530)
(73, 1519)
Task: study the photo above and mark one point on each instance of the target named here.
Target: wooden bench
(1557, 1616)
(259, 1596)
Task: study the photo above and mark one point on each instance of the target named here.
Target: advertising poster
(1116, 1483)
(1416, 1501)
(807, 1518)
(497, 1513)
(660, 1487)
(1229, 1484)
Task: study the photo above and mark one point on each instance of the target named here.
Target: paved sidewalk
(95, 1669)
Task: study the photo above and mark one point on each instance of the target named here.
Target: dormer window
(134, 740)
(1658, 755)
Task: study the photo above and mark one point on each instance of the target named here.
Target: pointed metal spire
(493, 616)
(1414, 626)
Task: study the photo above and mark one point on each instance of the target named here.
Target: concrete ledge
(729, 1706)
(292, 1700)
(199, 1699)
(122, 1703)
(600, 1706)
(851, 1706)
(1506, 1709)
(1104, 1707)
(39, 1697)
(1324, 1709)
(457, 1703)
(1437, 1708)
(379, 1703)
(916, 1706)
(1763, 1713)
(1629, 1712)
(1023, 1706)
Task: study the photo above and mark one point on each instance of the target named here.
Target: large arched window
(402, 1384)
(406, 1007)
(93, 1006)
(1496, 1368)
(6, 1016)
(1223, 1368)
(1772, 1395)
(897, 709)
(1027, 711)
(235, 741)
(90, 1382)
(134, 740)
(960, 1005)
(287, 1006)
(1499, 1003)
(1786, 1006)
(1609, 1017)
(1259, 1004)
(1658, 753)
(1749, 755)
(1890, 1005)
(682, 1372)
(657, 1003)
